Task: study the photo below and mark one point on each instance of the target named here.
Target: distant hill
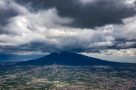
(67, 58)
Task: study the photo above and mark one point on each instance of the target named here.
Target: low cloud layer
(50, 29)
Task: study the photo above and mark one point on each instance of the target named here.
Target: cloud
(128, 2)
(8, 9)
(47, 30)
(131, 3)
(121, 52)
(88, 13)
(122, 55)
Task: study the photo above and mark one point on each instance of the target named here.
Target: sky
(103, 29)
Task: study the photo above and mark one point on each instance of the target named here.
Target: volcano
(67, 58)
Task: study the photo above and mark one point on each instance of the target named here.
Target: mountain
(66, 58)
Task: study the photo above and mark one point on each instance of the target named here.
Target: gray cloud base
(87, 13)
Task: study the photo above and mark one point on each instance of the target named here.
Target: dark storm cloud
(98, 13)
(39, 26)
(8, 9)
(5, 15)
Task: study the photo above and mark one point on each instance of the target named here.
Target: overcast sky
(38, 27)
